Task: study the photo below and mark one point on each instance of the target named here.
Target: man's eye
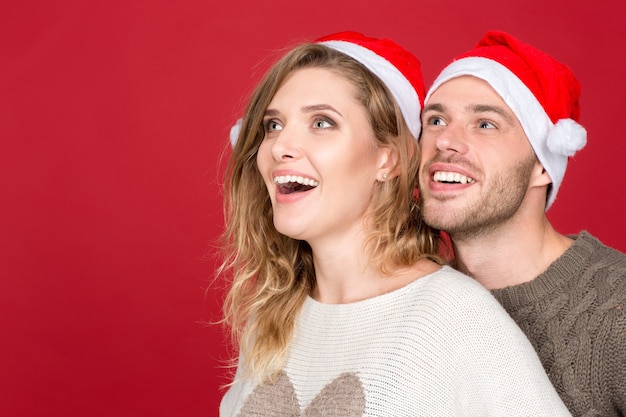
(486, 125)
(272, 125)
(435, 121)
(323, 123)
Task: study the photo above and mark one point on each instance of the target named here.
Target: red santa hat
(542, 93)
(397, 68)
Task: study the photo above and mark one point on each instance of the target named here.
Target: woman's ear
(387, 163)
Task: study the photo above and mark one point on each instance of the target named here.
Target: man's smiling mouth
(452, 178)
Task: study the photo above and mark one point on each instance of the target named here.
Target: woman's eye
(323, 123)
(272, 125)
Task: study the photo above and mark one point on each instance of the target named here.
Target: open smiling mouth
(288, 184)
(452, 178)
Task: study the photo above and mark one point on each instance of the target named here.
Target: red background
(113, 120)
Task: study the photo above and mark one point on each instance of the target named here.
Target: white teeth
(286, 179)
(442, 176)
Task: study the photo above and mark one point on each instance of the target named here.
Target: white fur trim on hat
(234, 132)
(401, 89)
(552, 144)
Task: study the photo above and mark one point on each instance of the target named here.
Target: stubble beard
(495, 206)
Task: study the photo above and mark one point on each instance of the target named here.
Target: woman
(339, 303)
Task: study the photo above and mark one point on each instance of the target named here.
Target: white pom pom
(566, 137)
(234, 132)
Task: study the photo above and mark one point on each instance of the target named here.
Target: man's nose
(452, 139)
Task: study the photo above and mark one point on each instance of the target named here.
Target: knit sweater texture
(575, 316)
(440, 346)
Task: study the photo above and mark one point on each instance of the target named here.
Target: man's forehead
(474, 93)
(462, 85)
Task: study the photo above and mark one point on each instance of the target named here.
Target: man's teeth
(442, 176)
(289, 179)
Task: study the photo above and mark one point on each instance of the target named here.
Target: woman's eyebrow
(317, 107)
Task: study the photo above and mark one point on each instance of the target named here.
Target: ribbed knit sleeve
(575, 316)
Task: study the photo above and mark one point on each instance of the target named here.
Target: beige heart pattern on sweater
(344, 397)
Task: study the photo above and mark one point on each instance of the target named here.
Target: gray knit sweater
(575, 316)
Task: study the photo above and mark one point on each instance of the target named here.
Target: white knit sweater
(440, 346)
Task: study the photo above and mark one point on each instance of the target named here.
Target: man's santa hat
(542, 93)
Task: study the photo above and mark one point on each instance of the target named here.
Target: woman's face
(319, 159)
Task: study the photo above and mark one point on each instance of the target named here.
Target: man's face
(476, 160)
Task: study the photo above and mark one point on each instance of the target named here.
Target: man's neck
(510, 255)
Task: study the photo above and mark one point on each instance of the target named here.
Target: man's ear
(539, 176)
(387, 163)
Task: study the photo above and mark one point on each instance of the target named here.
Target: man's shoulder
(603, 275)
(595, 252)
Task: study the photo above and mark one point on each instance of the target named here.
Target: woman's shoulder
(450, 281)
(458, 298)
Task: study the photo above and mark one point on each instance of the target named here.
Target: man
(499, 124)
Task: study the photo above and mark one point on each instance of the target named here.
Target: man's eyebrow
(433, 107)
(486, 108)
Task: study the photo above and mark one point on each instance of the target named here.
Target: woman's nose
(286, 145)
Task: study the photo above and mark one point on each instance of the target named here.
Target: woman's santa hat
(397, 68)
(542, 93)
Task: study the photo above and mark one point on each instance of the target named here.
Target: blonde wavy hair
(271, 274)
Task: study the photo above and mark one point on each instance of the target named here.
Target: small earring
(384, 175)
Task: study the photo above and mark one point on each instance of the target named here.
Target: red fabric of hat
(551, 82)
